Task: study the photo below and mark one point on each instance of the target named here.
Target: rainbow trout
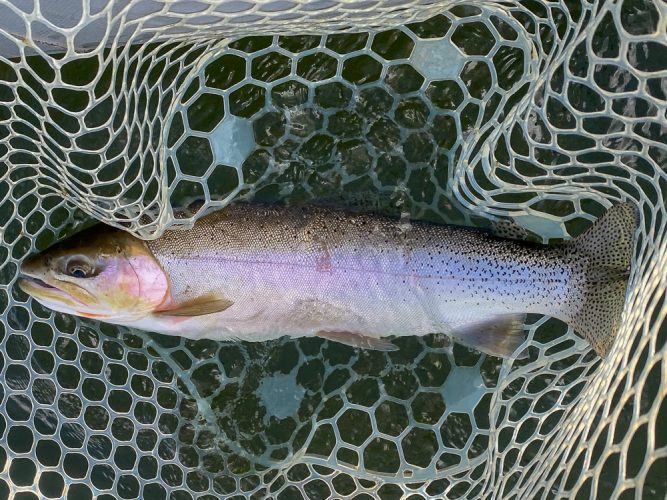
(256, 273)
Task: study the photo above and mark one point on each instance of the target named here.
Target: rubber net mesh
(542, 111)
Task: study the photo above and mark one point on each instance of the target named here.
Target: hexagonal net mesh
(122, 111)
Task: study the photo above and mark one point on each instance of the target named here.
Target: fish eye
(77, 272)
(79, 269)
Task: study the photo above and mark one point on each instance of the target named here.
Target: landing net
(460, 112)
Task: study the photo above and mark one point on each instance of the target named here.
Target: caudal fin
(608, 248)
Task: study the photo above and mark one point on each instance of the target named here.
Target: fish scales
(389, 279)
(255, 273)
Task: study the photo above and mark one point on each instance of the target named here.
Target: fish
(256, 272)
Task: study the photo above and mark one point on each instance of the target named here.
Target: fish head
(101, 273)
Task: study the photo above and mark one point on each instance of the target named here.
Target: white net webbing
(457, 111)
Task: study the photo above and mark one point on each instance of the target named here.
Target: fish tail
(607, 248)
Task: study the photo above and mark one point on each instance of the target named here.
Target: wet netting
(544, 112)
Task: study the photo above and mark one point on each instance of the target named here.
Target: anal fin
(498, 336)
(199, 306)
(359, 340)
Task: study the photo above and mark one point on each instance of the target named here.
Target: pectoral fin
(199, 306)
(359, 340)
(498, 336)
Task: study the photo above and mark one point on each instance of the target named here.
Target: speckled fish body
(293, 271)
(303, 271)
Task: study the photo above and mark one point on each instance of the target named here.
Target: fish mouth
(56, 298)
(41, 290)
(31, 281)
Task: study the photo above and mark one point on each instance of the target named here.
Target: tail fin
(608, 248)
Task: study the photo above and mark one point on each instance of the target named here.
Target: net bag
(543, 113)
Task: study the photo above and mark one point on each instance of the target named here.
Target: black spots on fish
(603, 255)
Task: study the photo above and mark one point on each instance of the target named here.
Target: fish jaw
(52, 296)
